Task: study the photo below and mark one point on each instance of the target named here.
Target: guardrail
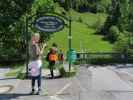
(103, 58)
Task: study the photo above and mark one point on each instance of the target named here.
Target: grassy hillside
(83, 37)
(83, 32)
(90, 19)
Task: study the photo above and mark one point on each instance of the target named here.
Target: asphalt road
(101, 83)
(106, 84)
(91, 83)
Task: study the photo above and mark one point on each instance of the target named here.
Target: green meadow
(83, 34)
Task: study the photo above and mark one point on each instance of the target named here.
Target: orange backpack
(53, 57)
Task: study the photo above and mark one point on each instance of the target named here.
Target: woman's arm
(43, 47)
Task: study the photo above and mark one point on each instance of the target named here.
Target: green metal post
(70, 38)
(70, 32)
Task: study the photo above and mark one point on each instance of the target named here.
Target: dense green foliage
(86, 5)
(120, 15)
(126, 18)
(11, 36)
(12, 24)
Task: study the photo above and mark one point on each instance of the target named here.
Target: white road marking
(4, 89)
(55, 97)
(63, 89)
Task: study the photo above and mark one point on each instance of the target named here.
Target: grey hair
(36, 35)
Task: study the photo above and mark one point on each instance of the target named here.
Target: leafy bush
(113, 33)
(21, 76)
(62, 71)
(80, 19)
(65, 73)
(121, 46)
(98, 24)
(101, 8)
(42, 6)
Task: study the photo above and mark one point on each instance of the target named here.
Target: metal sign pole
(70, 38)
(70, 33)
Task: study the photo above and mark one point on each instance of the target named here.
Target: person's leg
(33, 84)
(39, 79)
(52, 69)
(39, 84)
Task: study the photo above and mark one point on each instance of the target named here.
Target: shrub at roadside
(121, 46)
(113, 34)
(65, 73)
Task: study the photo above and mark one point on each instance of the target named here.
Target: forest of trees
(117, 28)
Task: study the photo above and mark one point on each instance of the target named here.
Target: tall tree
(113, 17)
(12, 14)
(73, 3)
(123, 19)
(120, 15)
(11, 11)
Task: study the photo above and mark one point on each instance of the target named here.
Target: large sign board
(49, 24)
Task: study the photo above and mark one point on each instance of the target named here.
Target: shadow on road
(11, 96)
(7, 78)
(49, 77)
